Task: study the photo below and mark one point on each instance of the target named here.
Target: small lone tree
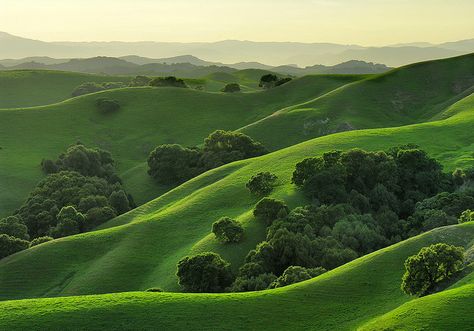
(268, 81)
(231, 88)
(430, 266)
(262, 183)
(269, 210)
(206, 272)
(227, 230)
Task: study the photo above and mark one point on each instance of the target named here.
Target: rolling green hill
(407, 95)
(140, 249)
(28, 88)
(148, 117)
(344, 299)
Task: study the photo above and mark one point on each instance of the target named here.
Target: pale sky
(364, 22)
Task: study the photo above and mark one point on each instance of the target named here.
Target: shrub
(40, 240)
(466, 216)
(227, 230)
(10, 245)
(269, 210)
(432, 265)
(140, 81)
(169, 81)
(107, 106)
(262, 183)
(231, 88)
(296, 274)
(206, 272)
(254, 283)
(154, 289)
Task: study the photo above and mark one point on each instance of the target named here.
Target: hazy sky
(366, 22)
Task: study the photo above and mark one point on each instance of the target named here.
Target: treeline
(360, 202)
(81, 191)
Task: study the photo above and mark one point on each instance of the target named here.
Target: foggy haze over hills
(234, 51)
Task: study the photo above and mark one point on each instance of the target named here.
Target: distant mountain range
(183, 66)
(233, 51)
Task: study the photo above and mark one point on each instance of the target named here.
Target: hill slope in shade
(140, 249)
(344, 298)
(148, 117)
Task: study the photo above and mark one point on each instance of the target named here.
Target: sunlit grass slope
(342, 299)
(140, 249)
(148, 117)
(27, 88)
(405, 95)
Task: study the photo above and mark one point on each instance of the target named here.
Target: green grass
(28, 88)
(407, 95)
(140, 249)
(148, 117)
(343, 299)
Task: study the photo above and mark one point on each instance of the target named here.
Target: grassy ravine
(141, 248)
(342, 299)
(148, 117)
(28, 88)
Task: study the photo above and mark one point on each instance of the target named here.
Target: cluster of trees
(80, 192)
(231, 88)
(174, 164)
(92, 87)
(169, 81)
(270, 80)
(430, 267)
(361, 201)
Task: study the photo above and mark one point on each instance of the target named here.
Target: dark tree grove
(169, 81)
(231, 88)
(80, 192)
(361, 201)
(174, 164)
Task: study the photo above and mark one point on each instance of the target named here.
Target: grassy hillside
(28, 88)
(406, 95)
(148, 117)
(140, 249)
(344, 299)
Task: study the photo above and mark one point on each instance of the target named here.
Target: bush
(206, 272)
(169, 81)
(231, 88)
(107, 106)
(40, 240)
(269, 210)
(10, 245)
(227, 230)
(262, 183)
(140, 81)
(154, 289)
(432, 265)
(13, 227)
(466, 216)
(296, 274)
(256, 283)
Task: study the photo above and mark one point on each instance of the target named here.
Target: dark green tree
(119, 201)
(262, 183)
(296, 274)
(227, 230)
(169, 81)
(231, 88)
(432, 265)
(10, 245)
(70, 222)
(268, 210)
(206, 273)
(13, 227)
